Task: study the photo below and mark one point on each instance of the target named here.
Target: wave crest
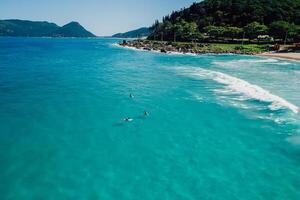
(235, 85)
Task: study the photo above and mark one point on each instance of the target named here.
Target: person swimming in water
(131, 96)
(146, 114)
(127, 119)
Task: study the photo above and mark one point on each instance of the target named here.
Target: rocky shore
(189, 48)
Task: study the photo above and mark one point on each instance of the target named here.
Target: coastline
(194, 48)
(285, 56)
(189, 49)
(170, 52)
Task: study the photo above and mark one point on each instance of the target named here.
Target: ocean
(219, 126)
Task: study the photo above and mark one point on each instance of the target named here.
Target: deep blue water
(220, 126)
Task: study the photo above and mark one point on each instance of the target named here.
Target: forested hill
(141, 32)
(239, 12)
(25, 28)
(230, 13)
(72, 29)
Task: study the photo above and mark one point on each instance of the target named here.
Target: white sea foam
(297, 72)
(181, 53)
(155, 51)
(294, 140)
(127, 47)
(268, 60)
(235, 85)
(241, 62)
(283, 63)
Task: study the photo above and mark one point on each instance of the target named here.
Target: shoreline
(174, 52)
(192, 48)
(168, 48)
(283, 56)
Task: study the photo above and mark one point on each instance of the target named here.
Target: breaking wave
(250, 62)
(241, 87)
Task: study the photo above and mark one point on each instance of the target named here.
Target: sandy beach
(291, 56)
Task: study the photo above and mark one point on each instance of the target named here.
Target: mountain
(141, 32)
(239, 12)
(209, 14)
(73, 29)
(25, 28)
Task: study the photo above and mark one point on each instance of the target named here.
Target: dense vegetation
(73, 29)
(24, 28)
(141, 32)
(231, 21)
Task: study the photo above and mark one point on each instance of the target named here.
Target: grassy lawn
(216, 47)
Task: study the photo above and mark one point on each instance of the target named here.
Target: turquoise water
(220, 127)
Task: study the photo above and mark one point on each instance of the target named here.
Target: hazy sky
(102, 17)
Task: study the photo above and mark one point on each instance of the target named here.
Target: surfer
(146, 114)
(127, 119)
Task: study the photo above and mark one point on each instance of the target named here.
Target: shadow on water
(118, 124)
(291, 151)
(142, 117)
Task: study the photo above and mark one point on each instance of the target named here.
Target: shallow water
(220, 126)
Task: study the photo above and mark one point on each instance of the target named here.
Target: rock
(165, 47)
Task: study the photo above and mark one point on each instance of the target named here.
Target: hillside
(209, 15)
(73, 29)
(141, 32)
(239, 12)
(24, 28)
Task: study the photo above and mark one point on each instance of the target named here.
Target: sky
(102, 17)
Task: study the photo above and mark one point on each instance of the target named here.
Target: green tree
(282, 30)
(178, 28)
(233, 32)
(214, 31)
(237, 13)
(255, 29)
(162, 31)
(297, 33)
(168, 27)
(191, 32)
(155, 29)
